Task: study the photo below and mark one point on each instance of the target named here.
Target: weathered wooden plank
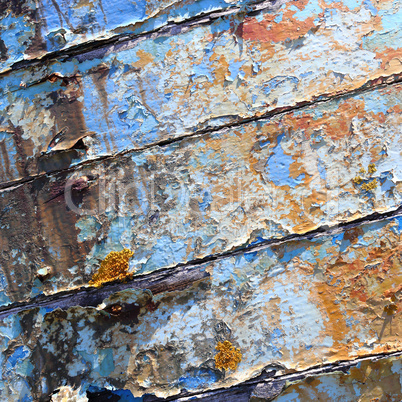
(379, 378)
(203, 196)
(33, 29)
(190, 77)
(371, 381)
(290, 306)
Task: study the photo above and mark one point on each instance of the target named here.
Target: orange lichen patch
(113, 267)
(228, 357)
(268, 30)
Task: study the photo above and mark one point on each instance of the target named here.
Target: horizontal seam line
(199, 133)
(96, 44)
(329, 368)
(190, 267)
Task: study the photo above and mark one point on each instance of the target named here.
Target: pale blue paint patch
(276, 338)
(397, 368)
(206, 201)
(387, 184)
(224, 271)
(106, 362)
(398, 220)
(234, 69)
(294, 297)
(311, 9)
(391, 34)
(356, 389)
(205, 155)
(317, 140)
(322, 169)
(4, 299)
(369, 5)
(11, 327)
(88, 226)
(37, 288)
(391, 19)
(279, 81)
(318, 111)
(259, 17)
(165, 253)
(306, 74)
(371, 228)
(20, 353)
(277, 167)
(291, 397)
(374, 102)
(203, 70)
(15, 33)
(330, 385)
(351, 4)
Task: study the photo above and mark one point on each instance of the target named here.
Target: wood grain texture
(248, 153)
(192, 77)
(376, 377)
(287, 307)
(206, 195)
(371, 380)
(35, 30)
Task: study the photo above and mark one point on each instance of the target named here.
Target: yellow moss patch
(228, 357)
(371, 168)
(113, 267)
(370, 186)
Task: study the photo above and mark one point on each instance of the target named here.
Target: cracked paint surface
(378, 380)
(136, 93)
(205, 139)
(369, 381)
(32, 29)
(240, 186)
(288, 306)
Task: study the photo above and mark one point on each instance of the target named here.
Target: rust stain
(99, 77)
(289, 28)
